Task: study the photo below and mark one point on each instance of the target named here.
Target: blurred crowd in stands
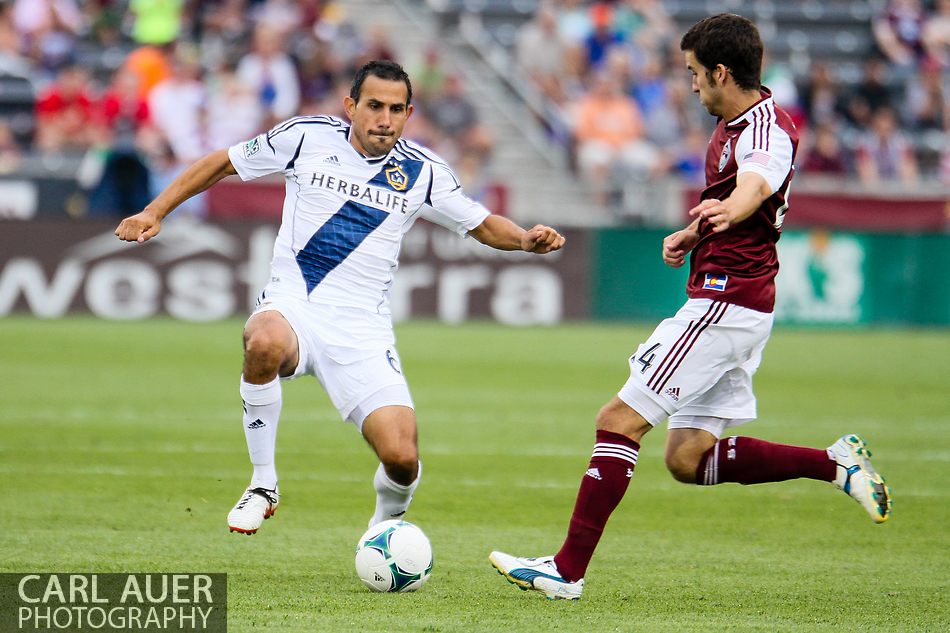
(615, 70)
(139, 89)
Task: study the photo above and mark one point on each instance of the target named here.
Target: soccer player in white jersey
(696, 368)
(353, 189)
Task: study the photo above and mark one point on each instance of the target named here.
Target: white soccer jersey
(345, 214)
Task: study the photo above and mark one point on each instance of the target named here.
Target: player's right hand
(140, 227)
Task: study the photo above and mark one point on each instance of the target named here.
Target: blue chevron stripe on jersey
(336, 239)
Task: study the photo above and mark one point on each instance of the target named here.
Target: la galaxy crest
(396, 177)
(726, 154)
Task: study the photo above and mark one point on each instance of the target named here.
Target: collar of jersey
(766, 98)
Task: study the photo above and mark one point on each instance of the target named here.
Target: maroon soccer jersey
(739, 265)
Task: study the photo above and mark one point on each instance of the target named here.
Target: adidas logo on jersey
(333, 160)
(673, 393)
(594, 473)
(256, 424)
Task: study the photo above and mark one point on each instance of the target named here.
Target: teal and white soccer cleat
(540, 574)
(857, 478)
(255, 505)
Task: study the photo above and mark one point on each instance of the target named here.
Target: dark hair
(730, 40)
(384, 69)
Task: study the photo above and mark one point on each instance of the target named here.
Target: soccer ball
(394, 556)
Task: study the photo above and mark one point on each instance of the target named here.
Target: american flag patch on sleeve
(759, 158)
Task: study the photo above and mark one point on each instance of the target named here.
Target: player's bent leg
(391, 432)
(540, 574)
(857, 478)
(270, 348)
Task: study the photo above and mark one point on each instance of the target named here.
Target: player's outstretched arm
(146, 224)
(503, 234)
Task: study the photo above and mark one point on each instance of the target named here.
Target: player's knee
(617, 417)
(401, 463)
(263, 349)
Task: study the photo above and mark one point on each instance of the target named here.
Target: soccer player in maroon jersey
(696, 368)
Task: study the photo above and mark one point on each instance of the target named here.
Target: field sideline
(121, 450)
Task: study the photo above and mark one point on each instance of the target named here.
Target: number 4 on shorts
(646, 358)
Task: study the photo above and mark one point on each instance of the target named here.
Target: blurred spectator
(428, 78)
(610, 137)
(177, 105)
(870, 95)
(644, 22)
(64, 113)
(151, 65)
(452, 114)
(898, 30)
(780, 81)
(471, 167)
(123, 183)
(927, 99)
(10, 152)
(602, 37)
(541, 53)
(224, 30)
(819, 95)
(936, 34)
(234, 111)
(320, 71)
(689, 157)
(269, 71)
(824, 155)
(12, 63)
(884, 153)
(378, 45)
(48, 29)
(156, 21)
(574, 22)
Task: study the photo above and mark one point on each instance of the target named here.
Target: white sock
(392, 499)
(261, 414)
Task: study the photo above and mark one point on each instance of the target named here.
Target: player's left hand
(541, 239)
(715, 212)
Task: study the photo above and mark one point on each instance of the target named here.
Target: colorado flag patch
(715, 282)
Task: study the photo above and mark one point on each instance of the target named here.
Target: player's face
(379, 116)
(704, 84)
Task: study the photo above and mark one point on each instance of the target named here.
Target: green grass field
(121, 450)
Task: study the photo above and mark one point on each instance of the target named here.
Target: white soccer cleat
(540, 574)
(255, 505)
(857, 478)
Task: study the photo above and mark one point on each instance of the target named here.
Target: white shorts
(351, 352)
(696, 368)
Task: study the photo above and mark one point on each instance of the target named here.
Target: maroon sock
(602, 488)
(746, 460)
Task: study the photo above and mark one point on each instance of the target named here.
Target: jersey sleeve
(267, 153)
(446, 204)
(769, 155)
